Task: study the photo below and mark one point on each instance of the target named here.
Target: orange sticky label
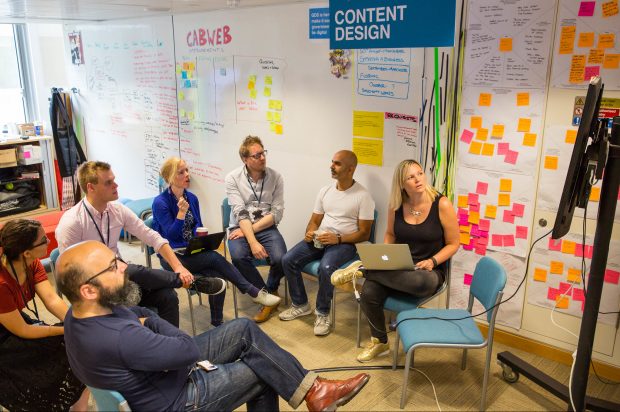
(497, 131)
(551, 162)
(561, 302)
(610, 8)
(577, 68)
(556, 267)
(465, 229)
(505, 185)
(475, 147)
(505, 44)
(568, 247)
(484, 99)
(540, 275)
(571, 136)
(464, 238)
(567, 39)
(488, 149)
(503, 199)
(595, 194)
(574, 275)
(523, 99)
(611, 61)
(475, 122)
(586, 39)
(524, 124)
(462, 201)
(529, 139)
(482, 134)
(596, 56)
(606, 40)
(474, 218)
(490, 211)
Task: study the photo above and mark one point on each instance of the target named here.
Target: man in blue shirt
(155, 366)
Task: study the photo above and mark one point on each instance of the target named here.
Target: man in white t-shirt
(343, 215)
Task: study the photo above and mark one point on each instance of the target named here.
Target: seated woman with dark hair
(425, 220)
(176, 215)
(34, 370)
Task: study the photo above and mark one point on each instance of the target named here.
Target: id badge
(206, 365)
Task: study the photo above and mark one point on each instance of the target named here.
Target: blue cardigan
(165, 220)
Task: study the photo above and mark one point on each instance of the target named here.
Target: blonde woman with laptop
(425, 220)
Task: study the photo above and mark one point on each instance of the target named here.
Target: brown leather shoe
(264, 313)
(327, 395)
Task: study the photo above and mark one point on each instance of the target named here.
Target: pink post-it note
(564, 287)
(502, 148)
(484, 225)
(555, 244)
(586, 9)
(467, 278)
(552, 293)
(466, 136)
(508, 216)
(521, 232)
(482, 241)
(474, 207)
(497, 240)
(518, 209)
(511, 157)
(464, 220)
(578, 295)
(468, 247)
(591, 71)
(472, 198)
(474, 231)
(26, 155)
(480, 250)
(588, 251)
(481, 188)
(462, 212)
(612, 276)
(578, 250)
(509, 240)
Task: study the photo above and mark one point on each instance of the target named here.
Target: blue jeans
(242, 258)
(252, 369)
(332, 257)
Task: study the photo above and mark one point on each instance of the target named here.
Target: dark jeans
(332, 257)
(252, 369)
(242, 258)
(157, 287)
(380, 284)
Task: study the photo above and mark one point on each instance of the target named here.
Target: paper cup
(202, 231)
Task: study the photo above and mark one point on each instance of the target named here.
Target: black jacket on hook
(69, 153)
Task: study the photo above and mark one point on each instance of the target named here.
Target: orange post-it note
(611, 61)
(505, 44)
(596, 56)
(475, 147)
(474, 218)
(490, 211)
(551, 162)
(556, 267)
(561, 302)
(497, 131)
(465, 229)
(503, 199)
(529, 139)
(567, 39)
(595, 194)
(523, 99)
(484, 99)
(482, 134)
(540, 275)
(524, 124)
(577, 68)
(610, 8)
(487, 149)
(574, 275)
(462, 201)
(464, 238)
(568, 246)
(505, 185)
(571, 136)
(475, 122)
(606, 40)
(586, 39)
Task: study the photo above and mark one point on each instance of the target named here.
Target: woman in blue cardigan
(176, 215)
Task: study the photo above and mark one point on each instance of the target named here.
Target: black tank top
(424, 239)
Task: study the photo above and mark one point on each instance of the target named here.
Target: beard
(127, 295)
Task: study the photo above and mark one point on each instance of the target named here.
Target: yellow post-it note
(571, 136)
(268, 80)
(475, 147)
(586, 39)
(505, 185)
(540, 275)
(596, 56)
(561, 302)
(178, 69)
(551, 162)
(272, 104)
(497, 131)
(190, 74)
(277, 117)
(610, 8)
(474, 218)
(505, 44)
(253, 93)
(611, 61)
(272, 127)
(464, 238)
(484, 99)
(252, 78)
(503, 199)
(190, 115)
(462, 201)
(556, 267)
(185, 66)
(523, 99)
(267, 92)
(182, 112)
(269, 116)
(574, 275)
(567, 39)
(482, 134)
(606, 40)
(488, 149)
(279, 129)
(251, 85)
(568, 247)
(475, 122)
(490, 211)
(192, 66)
(577, 68)
(524, 124)
(595, 194)
(529, 139)
(181, 96)
(278, 104)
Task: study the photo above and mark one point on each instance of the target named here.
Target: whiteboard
(127, 99)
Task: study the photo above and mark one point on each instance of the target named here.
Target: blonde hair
(244, 149)
(87, 173)
(398, 193)
(169, 168)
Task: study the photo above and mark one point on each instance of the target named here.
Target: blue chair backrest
(225, 213)
(489, 279)
(373, 228)
(54, 255)
(108, 400)
(149, 223)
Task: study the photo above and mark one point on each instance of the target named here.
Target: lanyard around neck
(258, 198)
(35, 312)
(96, 226)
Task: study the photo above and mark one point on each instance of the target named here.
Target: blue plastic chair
(53, 258)
(312, 269)
(453, 328)
(108, 400)
(142, 208)
(226, 211)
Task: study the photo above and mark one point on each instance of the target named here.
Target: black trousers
(157, 287)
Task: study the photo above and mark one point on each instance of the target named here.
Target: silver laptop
(376, 256)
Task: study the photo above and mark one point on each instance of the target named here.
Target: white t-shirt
(342, 209)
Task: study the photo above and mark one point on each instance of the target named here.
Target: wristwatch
(434, 262)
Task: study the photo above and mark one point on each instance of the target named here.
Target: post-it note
(609, 8)
(475, 147)
(503, 199)
(490, 211)
(487, 149)
(475, 122)
(571, 136)
(611, 61)
(586, 39)
(466, 136)
(505, 44)
(540, 275)
(497, 131)
(529, 139)
(556, 267)
(523, 99)
(481, 188)
(484, 99)
(505, 185)
(524, 124)
(482, 134)
(551, 162)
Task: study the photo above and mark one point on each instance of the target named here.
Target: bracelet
(339, 238)
(434, 262)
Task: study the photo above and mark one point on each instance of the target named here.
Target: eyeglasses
(258, 155)
(112, 268)
(43, 241)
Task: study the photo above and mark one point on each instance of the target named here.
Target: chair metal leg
(285, 292)
(234, 293)
(359, 325)
(485, 380)
(191, 311)
(464, 360)
(333, 311)
(395, 351)
(199, 298)
(403, 395)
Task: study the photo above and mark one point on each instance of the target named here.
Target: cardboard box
(26, 129)
(8, 157)
(29, 154)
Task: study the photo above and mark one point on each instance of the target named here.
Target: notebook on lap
(200, 243)
(376, 256)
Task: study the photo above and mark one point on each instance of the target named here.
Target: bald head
(348, 158)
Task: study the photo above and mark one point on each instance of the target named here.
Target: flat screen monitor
(577, 182)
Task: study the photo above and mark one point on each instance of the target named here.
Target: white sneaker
(266, 299)
(322, 325)
(295, 312)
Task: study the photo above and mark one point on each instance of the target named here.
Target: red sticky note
(472, 198)
(521, 232)
(586, 9)
(578, 250)
(502, 148)
(511, 157)
(518, 209)
(481, 250)
(481, 188)
(552, 293)
(555, 244)
(509, 240)
(508, 216)
(564, 287)
(578, 295)
(497, 240)
(484, 225)
(612, 276)
(483, 241)
(462, 212)
(474, 207)
(468, 247)
(591, 71)
(466, 136)
(588, 251)
(467, 278)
